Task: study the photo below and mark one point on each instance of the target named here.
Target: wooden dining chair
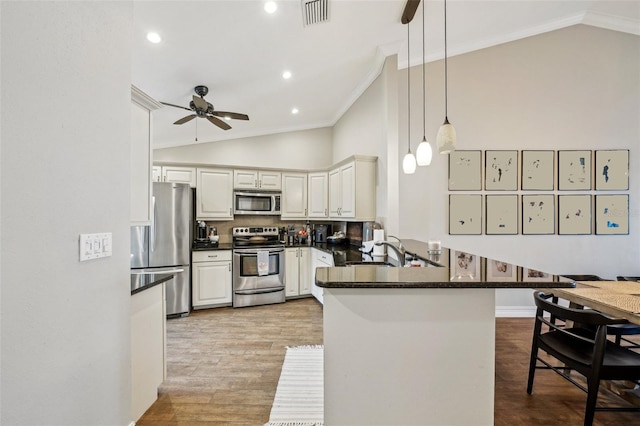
(585, 350)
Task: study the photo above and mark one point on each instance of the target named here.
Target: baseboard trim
(515, 311)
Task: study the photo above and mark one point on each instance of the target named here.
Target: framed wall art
(537, 170)
(502, 214)
(535, 275)
(465, 214)
(612, 169)
(498, 270)
(538, 214)
(464, 266)
(501, 170)
(612, 214)
(574, 214)
(465, 171)
(574, 170)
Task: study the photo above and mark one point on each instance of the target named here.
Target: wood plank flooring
(223, 367)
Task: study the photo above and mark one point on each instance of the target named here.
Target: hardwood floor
(223, 367)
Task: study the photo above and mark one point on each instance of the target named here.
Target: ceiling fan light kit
(204, 109)
(446, 138)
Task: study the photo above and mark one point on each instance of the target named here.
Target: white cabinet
(297, 275)
(352, 190)
(156, 174)
(319, 258)
(294, 196)
(177, 174)
(257, 179)
(211, 283)
(214, 194)
(318, 195)
(140, 150)
(148, 360)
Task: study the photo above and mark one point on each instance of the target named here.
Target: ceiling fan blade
(200, 103)
(234, 115)
(218, 122)
(185, 119)
(175, 106)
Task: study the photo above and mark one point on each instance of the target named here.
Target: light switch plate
(95, 246)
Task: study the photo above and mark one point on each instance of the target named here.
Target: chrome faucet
(399, 250)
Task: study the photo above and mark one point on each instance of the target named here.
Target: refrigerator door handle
(152, 237)
(147, 272)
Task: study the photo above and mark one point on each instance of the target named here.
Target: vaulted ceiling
(240, 52)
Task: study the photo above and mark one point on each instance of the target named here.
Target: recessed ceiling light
(295, 111)
(286, 75)
(154, 37)
(270, 6)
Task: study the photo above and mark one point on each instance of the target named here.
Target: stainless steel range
(258, 266)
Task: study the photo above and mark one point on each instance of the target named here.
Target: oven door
(245, 270)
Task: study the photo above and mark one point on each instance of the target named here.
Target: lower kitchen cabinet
(297, 276)
(148, 363)
(211, 281)
(319, 258)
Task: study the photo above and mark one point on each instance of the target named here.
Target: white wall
(369, 127)
(65, 99)
(306, 149)
(575, 88)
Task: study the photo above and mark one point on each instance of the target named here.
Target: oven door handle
(252, 292)
(255, 251)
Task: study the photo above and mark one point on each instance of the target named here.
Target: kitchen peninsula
(410, 346)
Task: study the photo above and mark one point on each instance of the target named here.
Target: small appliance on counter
(205, 237)
(322, 232)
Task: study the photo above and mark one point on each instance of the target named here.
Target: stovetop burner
(256, 236)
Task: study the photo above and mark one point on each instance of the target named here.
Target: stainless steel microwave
(256, 203)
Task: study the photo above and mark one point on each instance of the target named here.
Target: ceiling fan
(204, 109)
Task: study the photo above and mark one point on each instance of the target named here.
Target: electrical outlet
(95, 246)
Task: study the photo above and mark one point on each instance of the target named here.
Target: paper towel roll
(378, 235)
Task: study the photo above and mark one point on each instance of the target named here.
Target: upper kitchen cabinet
(352, 190)
(214, 194)
(177, 174)
(257, 179)
(294, 196)
(141, 163)
(318, 195)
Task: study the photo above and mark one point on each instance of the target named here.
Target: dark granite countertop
(221, 246)
(141, 281)
(440, 276)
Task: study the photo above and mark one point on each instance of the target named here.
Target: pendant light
(424, 153)
(409, 161)
(446, 138)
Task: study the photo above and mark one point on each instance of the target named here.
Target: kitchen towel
(378, 235)
(263, 262)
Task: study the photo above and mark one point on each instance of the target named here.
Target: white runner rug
(299, 399)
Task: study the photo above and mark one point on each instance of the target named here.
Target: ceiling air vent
(315, 11)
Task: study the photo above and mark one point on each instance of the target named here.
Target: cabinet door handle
(230, 211)
(305, 212)
(212, 255)
(325, 212)
(229, 267)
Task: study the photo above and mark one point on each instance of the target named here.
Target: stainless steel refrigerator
(165, 245)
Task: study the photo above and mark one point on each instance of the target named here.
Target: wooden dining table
(620, 299)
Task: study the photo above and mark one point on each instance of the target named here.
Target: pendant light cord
(446, 72)
(408, 91)
(424, 108)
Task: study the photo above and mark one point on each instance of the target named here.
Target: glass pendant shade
(446, 138)
(424, 153)
(409, 164)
